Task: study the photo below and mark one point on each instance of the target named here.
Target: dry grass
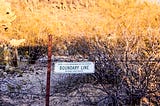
(102, 18)
(132, 23)
(104, 29)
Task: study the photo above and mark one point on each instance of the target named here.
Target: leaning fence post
(49, 69)
(15, 57)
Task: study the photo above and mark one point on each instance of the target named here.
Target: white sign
(74, 67)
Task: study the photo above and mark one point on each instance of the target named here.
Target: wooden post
(49, 69)
(15, 57)
(7, 55)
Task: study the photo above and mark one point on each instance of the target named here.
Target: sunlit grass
(106, 20)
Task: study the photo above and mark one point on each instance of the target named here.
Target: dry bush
(131, 66)
(78, 46)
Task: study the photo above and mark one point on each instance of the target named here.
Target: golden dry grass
(105, 20)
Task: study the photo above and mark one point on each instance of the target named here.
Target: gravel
(26, 86)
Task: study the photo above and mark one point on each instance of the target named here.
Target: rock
(37, 73)
(2, 67)
(4, 73)
(7, 67)
(145, 101)
(20, 75)
(3, 87)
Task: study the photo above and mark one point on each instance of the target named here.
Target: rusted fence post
(49, 69)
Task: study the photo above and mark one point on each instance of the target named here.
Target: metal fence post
(49, 69)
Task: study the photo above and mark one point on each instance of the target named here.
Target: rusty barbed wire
(153, 60)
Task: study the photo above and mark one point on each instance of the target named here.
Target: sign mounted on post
(74, 67)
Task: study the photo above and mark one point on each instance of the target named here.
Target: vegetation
(105, 19)
(121, 36)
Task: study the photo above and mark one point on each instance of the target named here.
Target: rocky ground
(25, 86)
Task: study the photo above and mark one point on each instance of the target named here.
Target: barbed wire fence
(15, 90)
(26, 83)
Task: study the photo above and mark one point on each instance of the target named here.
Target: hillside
(122, 38)
(105, 19)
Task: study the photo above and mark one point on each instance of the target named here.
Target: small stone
(20, 75)
(37, 73)
(4, 73)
